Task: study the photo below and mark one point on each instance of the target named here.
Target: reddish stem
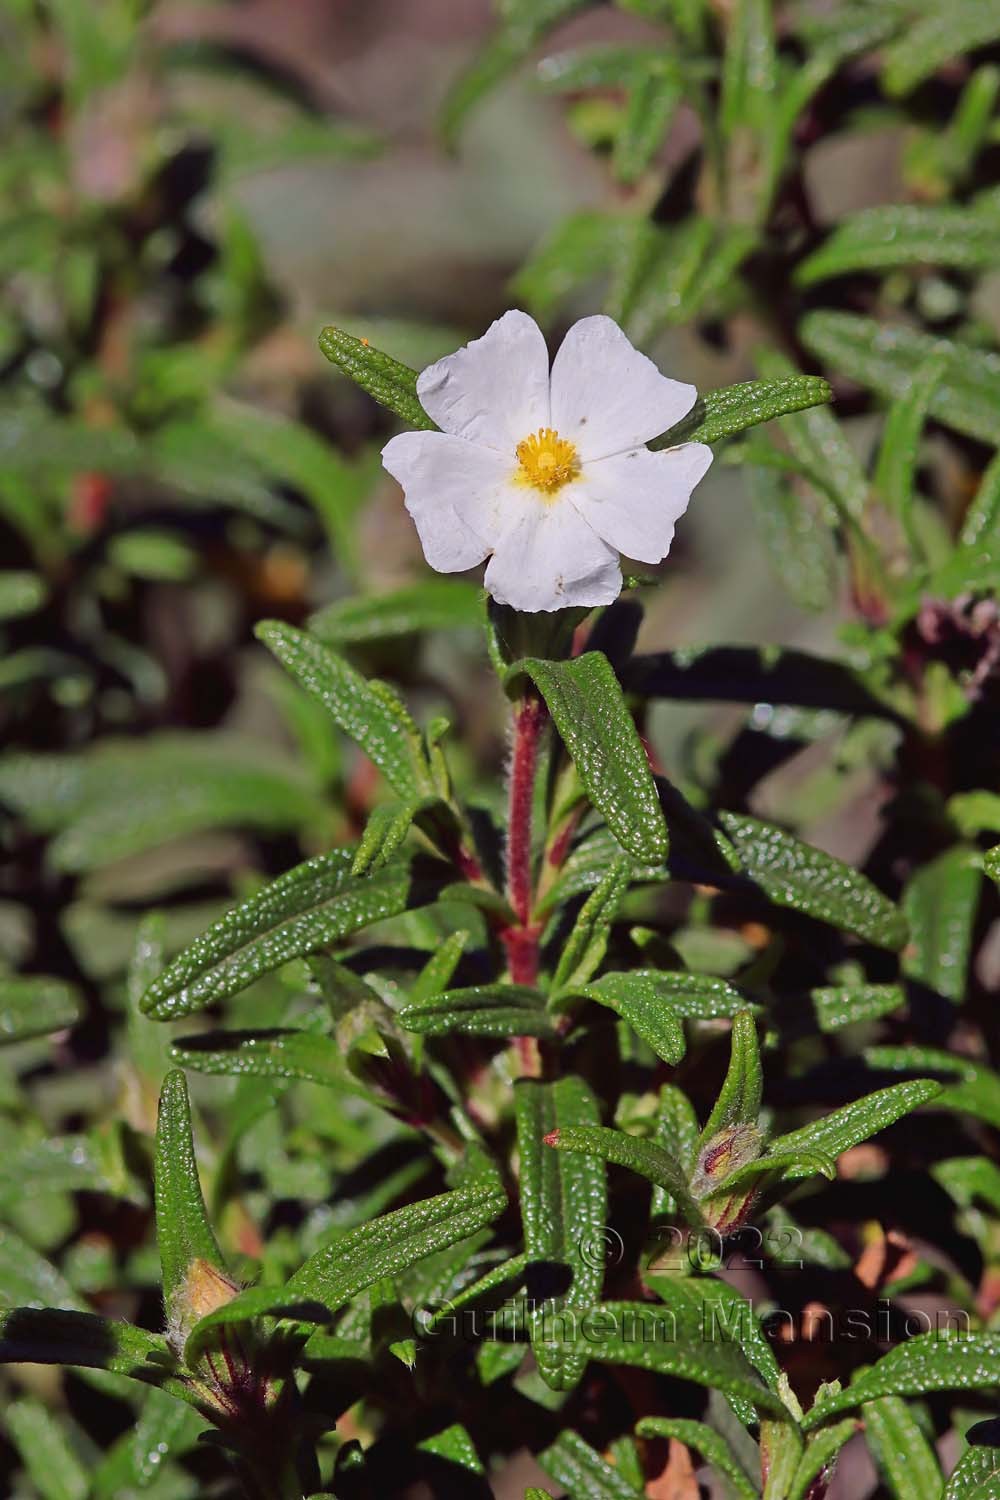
(529, 718)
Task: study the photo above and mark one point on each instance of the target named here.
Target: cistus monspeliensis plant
(588, 1032)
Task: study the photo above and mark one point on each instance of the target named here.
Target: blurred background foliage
(187, 193)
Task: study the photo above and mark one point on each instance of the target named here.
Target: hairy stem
(521, 938)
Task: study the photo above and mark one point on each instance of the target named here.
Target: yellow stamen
(546, 461)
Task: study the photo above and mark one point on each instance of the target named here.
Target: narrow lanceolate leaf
(386, 380)
(581, 1470)
(903, 234)
(796, 875)
(563, 1211)
(938, 34)
(845, 1004)
(739, 1098)
(843, 1128)
(655, 91)
(369, 712)
(27, 1279)
(437, 604)
(940, 903)
(886, 358)
(641, 1001)
(315, 904)
(943, 1360)
(796, 537)
(654, 1163)
(820, 1457)
(733, 408)
(976, 1476)
(43, 1336)
(499, 1010)
(385, 831)
(676, 1131)
(586, 704)
(895, 473)
(189, 1251)
(34, 1005)
(269, 1054)
(383, 1247)
(970, 1086)
(706, 1441)
(817, 440)
(165, 1428)
(905, 1458)
(699, 1335)
(587, 943)
(968, 1179)
(45, 1451)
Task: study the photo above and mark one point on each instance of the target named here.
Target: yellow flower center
(546, 461)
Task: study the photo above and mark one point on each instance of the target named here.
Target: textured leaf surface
(733, 408)
(904, 1456)
(969, 1085)
(35, 1005)
(706, 1441)
(586, 704)
(796, 875)
(740, 1096)
(387, 381)
(651, 1161)
(940, 904)
(582, 1471)
(437, 604)
(842, 1128)
(641, 1001)
(903, 234)
(843, 1005)
(183, 1233)
(943, 1360)
(886, 358)
(367, 711)
(274, 1054)
(309, 907)
(563, 1211)
(820, 1457)
(976, 1476)
(480, 1010)
(587, 943)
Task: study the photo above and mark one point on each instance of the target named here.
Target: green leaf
(584, 949)
(582, 248)
(732, 409)
(704, 1440)
(982, 519)
(842, 1128)
(582, 1471)
(976, 1088)
(817, 440)
(886, 358)
(49, 1461)
(935, 37)
(991, 863)
(586, 704)
(796, 875)
(523, 24)
(902, 234)
(970, 1179)
(20, 594)
(437, 972)
(27, 1279)
(896, 470)
(34, 1005)
(940, 902)
(383, 1247)
(644, 1157)
(437, 604)
(846, 1004)
(368, 712)
(905, 1458)
(191, 1261)
(499, 1010)
(640, 999)
(942, 1360)
(820, 1457)
(455, 1446)
(269, 1054)
(797, 538)
(740, 1096)
(316, 904)
(704, 1334)
(386, 829)
(750, 67)
(387, 381)
(654, 93)
(45, 1336)
(563, 1211)
(676, 1131)
(976, 1476)
(164, 1427)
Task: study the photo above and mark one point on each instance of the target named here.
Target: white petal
(551, 559)
(494, 390)
(606, 396)
(634, 499)
(456, 492)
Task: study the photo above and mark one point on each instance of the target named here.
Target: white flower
(547, 472)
